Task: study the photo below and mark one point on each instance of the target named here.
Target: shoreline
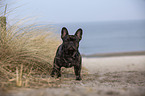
(115, 54)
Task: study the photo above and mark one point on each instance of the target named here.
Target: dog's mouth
(71, 48)
(70, 51)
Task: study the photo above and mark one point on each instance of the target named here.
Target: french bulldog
(67, 54)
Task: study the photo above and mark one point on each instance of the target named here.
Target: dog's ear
(64, 32)
(79, 33)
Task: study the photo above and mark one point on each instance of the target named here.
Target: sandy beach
(114, 64)
(107, 76)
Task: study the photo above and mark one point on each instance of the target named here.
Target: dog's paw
(78, 78)
(52, 75)
(59, 76)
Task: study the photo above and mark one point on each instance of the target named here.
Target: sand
(114, 64)
(108, 76)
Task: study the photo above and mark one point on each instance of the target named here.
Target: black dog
(67, 54)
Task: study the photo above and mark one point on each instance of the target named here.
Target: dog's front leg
(58, 72)
(77, 70)
(53, 71)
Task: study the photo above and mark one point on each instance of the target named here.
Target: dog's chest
(68, 62)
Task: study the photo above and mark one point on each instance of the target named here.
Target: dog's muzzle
(72, 48)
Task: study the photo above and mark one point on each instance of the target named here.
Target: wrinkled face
(71, 42)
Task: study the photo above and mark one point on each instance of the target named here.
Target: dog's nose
(71, 48)
(71, 42)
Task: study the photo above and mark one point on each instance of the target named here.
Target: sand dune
(108, 76)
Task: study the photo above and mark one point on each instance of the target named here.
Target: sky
(65, 11)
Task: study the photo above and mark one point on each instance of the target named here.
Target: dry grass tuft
(26, 54)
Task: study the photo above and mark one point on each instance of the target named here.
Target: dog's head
(70, 42)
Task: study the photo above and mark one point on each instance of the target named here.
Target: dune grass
(26, 51)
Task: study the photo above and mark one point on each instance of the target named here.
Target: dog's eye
(68, 39)
(65, 41)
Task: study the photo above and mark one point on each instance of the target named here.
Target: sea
(109, 36)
